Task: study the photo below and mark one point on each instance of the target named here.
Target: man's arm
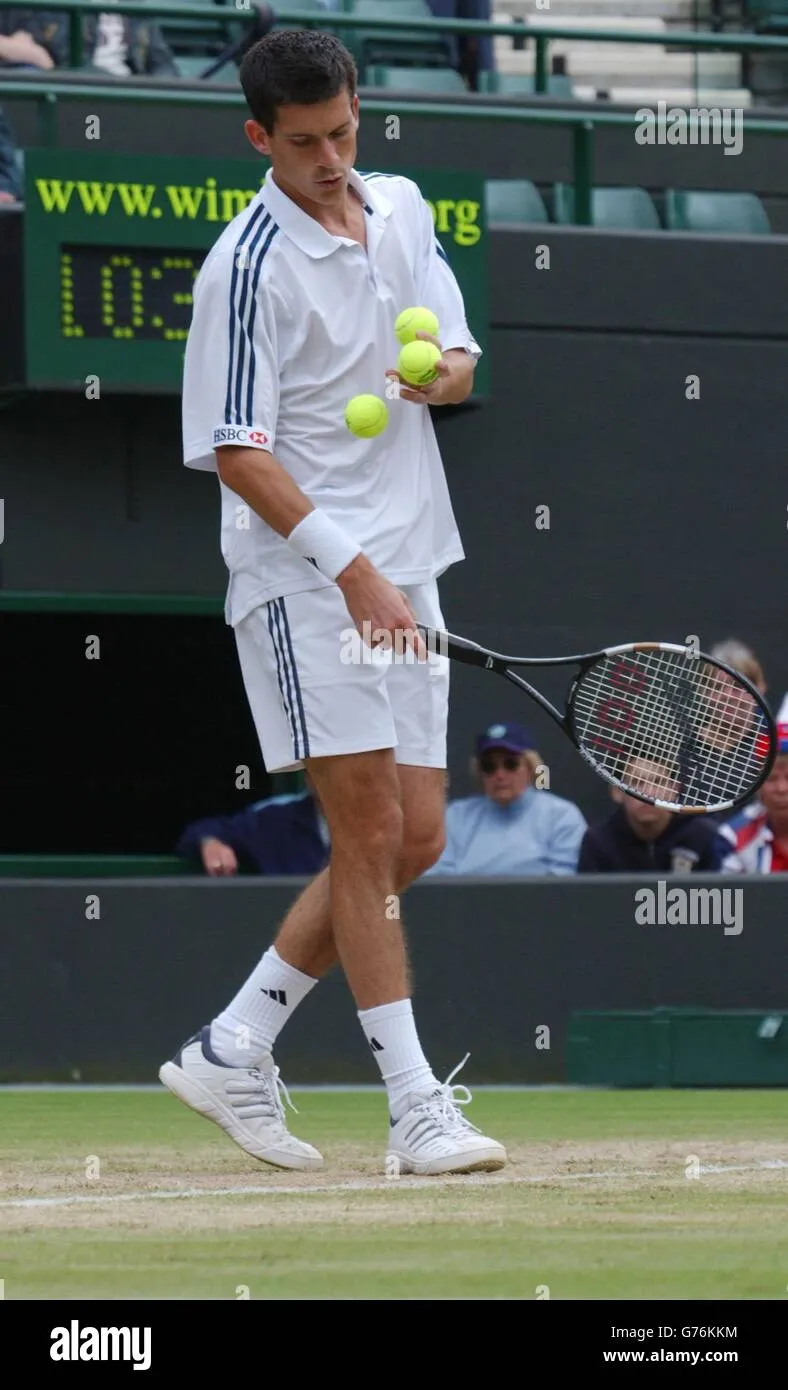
(259, 479)
(254, 473)
(22, 48)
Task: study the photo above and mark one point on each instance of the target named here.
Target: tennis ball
(413, 321)
(417, 362)
(366, 416)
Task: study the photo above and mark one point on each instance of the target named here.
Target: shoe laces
(444, 1103)
(269, 1087)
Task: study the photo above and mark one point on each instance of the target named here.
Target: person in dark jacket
(10, 181)
(641, 838)
(281, 835)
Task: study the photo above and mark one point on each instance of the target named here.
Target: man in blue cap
(513, 827)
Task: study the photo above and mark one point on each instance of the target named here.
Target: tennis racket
(668, 726)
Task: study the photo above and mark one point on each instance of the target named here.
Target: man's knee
(375, 833)
(419, 854)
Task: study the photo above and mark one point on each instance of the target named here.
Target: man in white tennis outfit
(330, 539)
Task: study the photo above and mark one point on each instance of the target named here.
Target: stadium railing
(340, 21)
(582, 123)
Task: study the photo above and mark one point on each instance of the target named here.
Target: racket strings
(677, 729)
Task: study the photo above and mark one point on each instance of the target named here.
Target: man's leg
(361, 799)
(305, 948)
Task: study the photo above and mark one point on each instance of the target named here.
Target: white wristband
(318, 539)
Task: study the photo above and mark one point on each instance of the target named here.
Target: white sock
(249, 1026)
(390, 1030)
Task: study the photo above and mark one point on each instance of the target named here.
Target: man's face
(504, 775)
(731, 708)
(646, 820)
(311, 145)
(773, 795)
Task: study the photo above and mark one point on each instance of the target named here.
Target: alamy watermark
(682, 907)
(693, 125)
(374, 644)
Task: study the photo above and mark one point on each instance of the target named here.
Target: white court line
(367, 1185)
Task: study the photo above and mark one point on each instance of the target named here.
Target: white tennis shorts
(316, 690)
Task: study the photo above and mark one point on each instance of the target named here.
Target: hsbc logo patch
(239, 434)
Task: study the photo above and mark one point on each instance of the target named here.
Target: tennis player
(330, 539)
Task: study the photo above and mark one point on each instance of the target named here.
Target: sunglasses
(490, 762)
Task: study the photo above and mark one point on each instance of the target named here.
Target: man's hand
(6, 197)
(217, 858)
(380, 611)
(21, 47)
(454, 381)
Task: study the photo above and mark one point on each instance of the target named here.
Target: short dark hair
(295, 67)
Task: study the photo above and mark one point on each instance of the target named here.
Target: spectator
(20, 41)
(758, 834)
(735, 654)
(734, 728)
(641, 838)
(10, 182)
(470, 53)
(512, 828)
(281, 835)
(113, 43)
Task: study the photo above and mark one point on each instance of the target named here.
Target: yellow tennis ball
(413, 321)
(417, 362)
(366, 416)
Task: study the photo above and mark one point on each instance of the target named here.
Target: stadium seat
(310, 7)
(522, 84)
(193, 68)
(514, 200)
(697, 211)
(766, 16)
(416, 79)
(610, 207)
(394, 47)
(190, 37)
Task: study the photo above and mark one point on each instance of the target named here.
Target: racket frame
(473, 654)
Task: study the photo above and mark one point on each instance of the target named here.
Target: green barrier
(667, 1048)
(92, 866)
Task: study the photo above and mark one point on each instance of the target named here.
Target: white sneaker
(243, 1101)
(433, 1136)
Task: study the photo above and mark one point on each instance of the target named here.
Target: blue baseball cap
(514, 737)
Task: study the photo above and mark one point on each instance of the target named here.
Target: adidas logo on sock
(278, 995)
(375, 1045)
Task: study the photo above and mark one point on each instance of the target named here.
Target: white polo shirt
(290, 322)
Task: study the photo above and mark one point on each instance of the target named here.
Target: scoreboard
(112, 245)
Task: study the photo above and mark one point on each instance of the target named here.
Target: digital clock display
(127, 292)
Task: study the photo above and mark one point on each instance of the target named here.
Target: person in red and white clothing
(758, 835)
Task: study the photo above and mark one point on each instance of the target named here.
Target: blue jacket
(278, 836)
(539, 833)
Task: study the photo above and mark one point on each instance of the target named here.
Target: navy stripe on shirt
(242, 311)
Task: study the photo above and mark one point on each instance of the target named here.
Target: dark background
(667, 515)
(110, 999)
